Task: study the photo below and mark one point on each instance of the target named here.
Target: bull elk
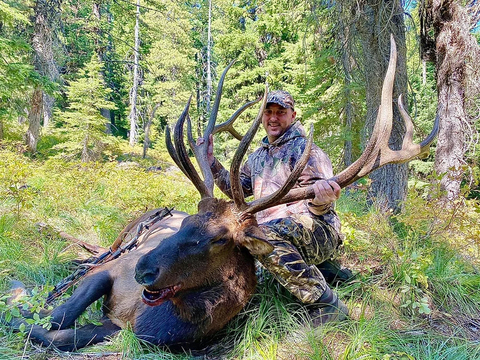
(193, 273)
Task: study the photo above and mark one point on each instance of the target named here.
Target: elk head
(208, 241)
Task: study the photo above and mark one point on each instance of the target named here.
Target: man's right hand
(210, 157)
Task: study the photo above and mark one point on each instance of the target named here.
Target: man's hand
(210, 156)
(326, 192)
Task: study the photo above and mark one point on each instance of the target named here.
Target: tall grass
(414, 296)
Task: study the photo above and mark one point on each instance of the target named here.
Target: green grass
(415, 294)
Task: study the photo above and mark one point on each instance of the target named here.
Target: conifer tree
(82, 124)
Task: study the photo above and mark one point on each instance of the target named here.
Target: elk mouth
(157, 297)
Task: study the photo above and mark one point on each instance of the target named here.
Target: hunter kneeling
(304, 233)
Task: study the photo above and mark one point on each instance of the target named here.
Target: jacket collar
(295, 130)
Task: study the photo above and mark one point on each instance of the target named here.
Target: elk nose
(146, 277)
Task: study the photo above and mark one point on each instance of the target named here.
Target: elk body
(196, 279)
(192, 274)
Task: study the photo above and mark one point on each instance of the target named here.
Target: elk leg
(72, 339)
(90, 289)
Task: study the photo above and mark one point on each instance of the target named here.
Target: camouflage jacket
(267, 169)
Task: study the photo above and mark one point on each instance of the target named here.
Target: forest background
(88, 88)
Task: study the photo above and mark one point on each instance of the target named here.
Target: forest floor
(414, 295)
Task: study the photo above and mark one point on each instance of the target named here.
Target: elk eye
(219, 241)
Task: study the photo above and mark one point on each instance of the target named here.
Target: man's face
(276, 120)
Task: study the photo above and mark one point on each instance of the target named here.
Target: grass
(415, 294)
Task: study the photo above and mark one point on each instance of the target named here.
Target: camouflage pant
(296, 251)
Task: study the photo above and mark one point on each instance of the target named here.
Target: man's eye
(267, 112)
(281, 112)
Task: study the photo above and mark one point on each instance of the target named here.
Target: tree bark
(146, 140)
(34, 118)
(100, 51)
(349, 115)
(457, 52)
(46, 16)
(48, 103)
(377, 21)
(133, 117)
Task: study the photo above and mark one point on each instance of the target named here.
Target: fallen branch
(92, 249)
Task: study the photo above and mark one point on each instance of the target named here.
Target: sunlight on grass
(414, 294)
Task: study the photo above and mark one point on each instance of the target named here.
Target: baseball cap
(282, 98)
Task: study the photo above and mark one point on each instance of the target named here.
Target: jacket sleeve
(221, 176)
(319, 167)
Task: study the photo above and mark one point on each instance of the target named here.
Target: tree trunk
(48, 103)
(378, 20)
(347, 69)
(100, 51)
(208, 97)
(34, 118)
(133, 117)
(456, 52)
(205, 72)
(46, 17)
(146, 141)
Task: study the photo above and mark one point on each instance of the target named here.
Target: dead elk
(192, 274)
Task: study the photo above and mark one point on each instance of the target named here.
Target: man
(305, 233)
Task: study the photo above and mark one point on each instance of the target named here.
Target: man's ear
(255, 242)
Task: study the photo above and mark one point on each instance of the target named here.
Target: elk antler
(377, 152)
(235, 184)
(179, 153)
(180, 156)
(228, 125)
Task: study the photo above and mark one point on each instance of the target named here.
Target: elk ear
(254, 240)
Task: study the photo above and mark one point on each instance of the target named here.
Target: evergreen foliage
(16, 69)
(82, 124)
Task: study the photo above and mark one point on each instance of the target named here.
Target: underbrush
(414, 294)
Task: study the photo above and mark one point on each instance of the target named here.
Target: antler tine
(228, 125)
(408, 140)
(200, 150)
(236, 186)
(173, 152)
(182, 156)
(276, 197)
(191, 140)
(216, 104)
(425, 144)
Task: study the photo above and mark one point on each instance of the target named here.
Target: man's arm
(315, 174)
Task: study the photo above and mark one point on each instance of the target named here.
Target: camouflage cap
(282, 98)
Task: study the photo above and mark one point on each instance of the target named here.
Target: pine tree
(82, 124)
